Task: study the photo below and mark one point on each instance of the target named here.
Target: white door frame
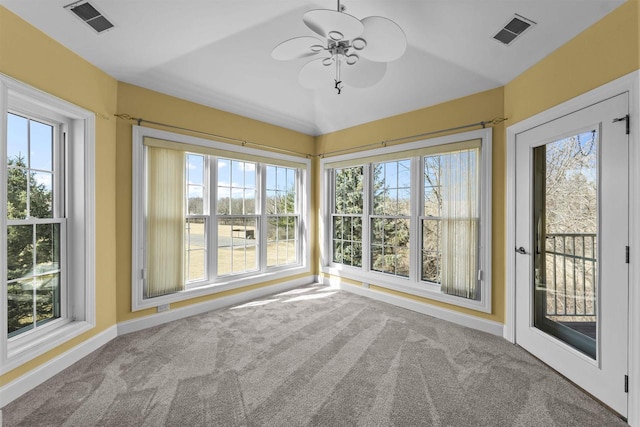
(629, 83)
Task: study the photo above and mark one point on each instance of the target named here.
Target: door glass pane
(565, 213)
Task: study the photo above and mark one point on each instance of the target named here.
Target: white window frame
(77, 243)
(411, 285)
(297, 215)
(226, 282)
(331, 182)
(205, 215)
(215, 217)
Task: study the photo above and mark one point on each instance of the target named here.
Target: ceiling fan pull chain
(338, 80)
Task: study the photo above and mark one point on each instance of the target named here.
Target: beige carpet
(310, 356)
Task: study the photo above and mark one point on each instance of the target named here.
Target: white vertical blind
(165, 214)
(460, 212)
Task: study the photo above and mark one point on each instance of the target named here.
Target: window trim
(411, 285)
(222, 283)
(79, 164)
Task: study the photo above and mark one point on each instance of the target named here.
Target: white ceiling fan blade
(297, 47)
(333, 25)
(363, 73)
(315, 74)
(385, 40)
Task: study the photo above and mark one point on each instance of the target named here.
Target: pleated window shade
(165, 221)
(460, 213)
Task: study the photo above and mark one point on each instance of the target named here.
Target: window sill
(20, 350)
(225, 284)
(407, 286)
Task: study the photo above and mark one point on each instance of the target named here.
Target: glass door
(572, 230)
(565, 225)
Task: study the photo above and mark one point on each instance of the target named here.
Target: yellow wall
(154, 106)
(28, 55)
(603, 52)
(476, 108)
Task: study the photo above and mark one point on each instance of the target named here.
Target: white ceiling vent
(513, 29)
(90, 16)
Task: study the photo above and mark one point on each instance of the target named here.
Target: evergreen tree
(20, 245)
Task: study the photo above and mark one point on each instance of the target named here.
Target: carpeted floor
(310, 356)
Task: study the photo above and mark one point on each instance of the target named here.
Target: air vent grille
(85, 11)
(514, 28)
(90, 16)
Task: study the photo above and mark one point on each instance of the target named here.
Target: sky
(20, 133)
(239, 175)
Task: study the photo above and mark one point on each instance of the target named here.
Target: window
(237, 217)
(424, 204)
(346, 221)
(48, 255)
(34, 220)
(282, 216)
(209, 217)
(432, 220)
(450, 221)
(197, 218)
(391, 218)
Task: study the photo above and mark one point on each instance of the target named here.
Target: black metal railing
(571, 274)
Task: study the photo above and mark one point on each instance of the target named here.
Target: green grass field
(236, 254)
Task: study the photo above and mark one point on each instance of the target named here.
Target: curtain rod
(384, 143)
(242, 142)
(387, 142)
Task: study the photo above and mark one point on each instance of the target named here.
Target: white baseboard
(16, 388)
(203, 307)
(478, 323)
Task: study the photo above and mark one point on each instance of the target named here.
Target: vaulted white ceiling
(218, 53)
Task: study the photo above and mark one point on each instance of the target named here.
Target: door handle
(522, 251)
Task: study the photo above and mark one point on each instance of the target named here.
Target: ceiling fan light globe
(352, 59)
(359, 43)
(328, 61)
(316, 48)
(336, 35)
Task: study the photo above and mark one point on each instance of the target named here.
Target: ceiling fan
(354, 52)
